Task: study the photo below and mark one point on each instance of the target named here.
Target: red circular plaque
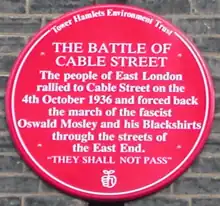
(110, 103)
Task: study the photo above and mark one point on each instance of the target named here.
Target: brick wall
(19, 19)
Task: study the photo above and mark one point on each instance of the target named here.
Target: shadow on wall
(114, 1)
(105, 204)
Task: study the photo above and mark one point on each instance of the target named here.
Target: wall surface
(19, 19)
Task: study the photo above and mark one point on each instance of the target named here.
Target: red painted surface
(93, 59)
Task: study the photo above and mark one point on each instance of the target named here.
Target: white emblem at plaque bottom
(108, 179)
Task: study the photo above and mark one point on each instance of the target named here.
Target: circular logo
(109, 103)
